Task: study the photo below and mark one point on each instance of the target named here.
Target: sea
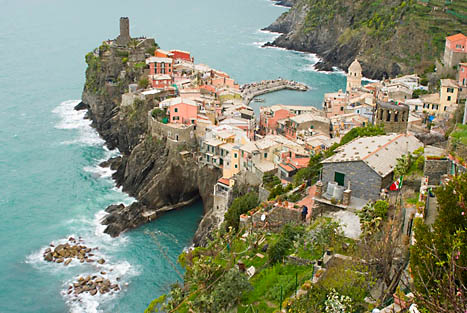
(51, 185)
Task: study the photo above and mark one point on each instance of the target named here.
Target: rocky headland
(149, 169)
(389, 38)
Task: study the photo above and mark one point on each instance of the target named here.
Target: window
(236, 166)
(342, 108)
(176, 118)
(450, 90)
(339, 178)
(235, 155)
(445, 108)
(389, 116)
(265, 155)
(449, 98)
(176, 110)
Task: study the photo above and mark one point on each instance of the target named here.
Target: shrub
(278, 250)
(143, 83)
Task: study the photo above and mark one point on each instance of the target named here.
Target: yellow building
(230, 153)
(443, 103)
(448, 95)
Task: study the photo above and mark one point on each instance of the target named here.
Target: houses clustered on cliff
(206, 115)
(202, 105)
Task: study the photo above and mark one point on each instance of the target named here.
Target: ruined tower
(124, 38)
(354, 76)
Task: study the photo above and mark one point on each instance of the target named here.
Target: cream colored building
(449, 92)
(354, 76)
(445, 101)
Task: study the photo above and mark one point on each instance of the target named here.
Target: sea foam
(72, 119)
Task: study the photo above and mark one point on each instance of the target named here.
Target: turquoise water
(51, 185)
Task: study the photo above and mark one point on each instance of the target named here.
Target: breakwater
(252, 90)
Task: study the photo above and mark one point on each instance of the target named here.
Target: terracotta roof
(301, 162)
(449, 83)
(208, 88)
(288, 167)
(224, 181)
(456, 37)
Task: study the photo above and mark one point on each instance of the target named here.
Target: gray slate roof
(379, 152)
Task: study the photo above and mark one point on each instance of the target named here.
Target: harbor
(252, 90)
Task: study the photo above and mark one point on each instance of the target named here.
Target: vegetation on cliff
(439, 256)
(388, 37)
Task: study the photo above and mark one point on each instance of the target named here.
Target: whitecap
(99, 172)
(72, 119)
(85, 302)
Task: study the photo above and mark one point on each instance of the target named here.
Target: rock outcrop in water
(149, 169)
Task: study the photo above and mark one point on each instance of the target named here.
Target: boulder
(49, 257)
(67, 262)
(101, 261)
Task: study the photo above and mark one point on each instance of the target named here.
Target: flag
(396, 185)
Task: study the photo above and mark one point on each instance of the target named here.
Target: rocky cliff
(388, 37)
(149, 169)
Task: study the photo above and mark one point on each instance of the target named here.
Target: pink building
(462, 79)
(183, 111)
(268, 122)
(455, 49)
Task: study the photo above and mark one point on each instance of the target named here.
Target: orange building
(455, 49)
(181, 55)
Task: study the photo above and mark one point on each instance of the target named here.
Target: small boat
(259, 100)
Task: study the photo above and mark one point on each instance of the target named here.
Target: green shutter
(339, 178)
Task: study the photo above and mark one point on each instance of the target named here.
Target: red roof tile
(456, 37)
(287, 167)
(224, 181)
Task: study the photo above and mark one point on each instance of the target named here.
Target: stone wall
(277, 216)
(434, 169)
(321, 207)
(263, 194)
(365, 183)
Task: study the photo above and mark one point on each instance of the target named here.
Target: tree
(439, 257)
(229, 290)
(240, 206)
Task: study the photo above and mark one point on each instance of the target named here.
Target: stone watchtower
(124, 38)
(393, 116)
(354, 76)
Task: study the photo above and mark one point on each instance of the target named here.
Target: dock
(252, 90)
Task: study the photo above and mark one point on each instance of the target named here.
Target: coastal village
(374, 142)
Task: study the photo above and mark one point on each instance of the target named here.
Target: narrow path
(308, 201)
